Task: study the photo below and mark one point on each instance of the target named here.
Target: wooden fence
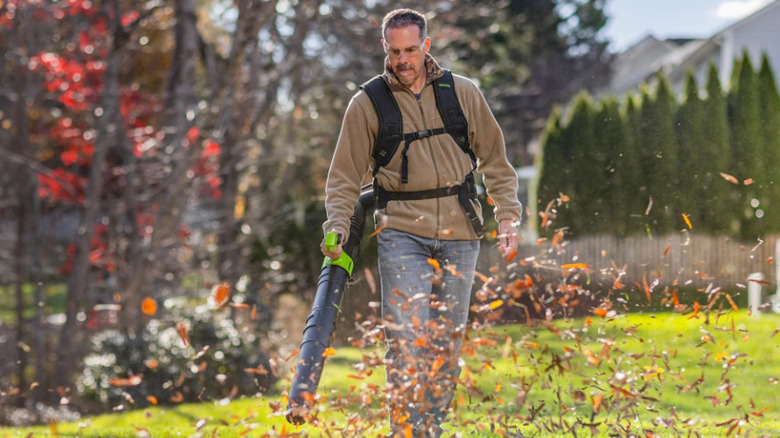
(682, 258)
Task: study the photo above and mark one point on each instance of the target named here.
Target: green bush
(156, 367)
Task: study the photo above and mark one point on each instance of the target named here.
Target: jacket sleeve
(351, 161)
(487, 141)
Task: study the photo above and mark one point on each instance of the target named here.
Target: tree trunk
(107, 122)
(21, 147)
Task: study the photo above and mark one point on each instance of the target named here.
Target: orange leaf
(597, 402)
(330, 351)
(666, 251)
(434, 263)
(575, 266)
(511, 256)
(220, 295)
(696, 307)
(177, 398)
(733, 305)
(149, 306)
(484, 342)
(151, 364)
(259, 370)
(437, 364)
(748, 181)
(181, 328)
(370, 280)
(152, 399)
(600, 311)
(563, 197)
(687, 221)
(134, 380)
(490, 201)
(496, 304)
(729, 178)
(377, 231)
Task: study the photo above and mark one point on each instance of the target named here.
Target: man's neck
(419, 84)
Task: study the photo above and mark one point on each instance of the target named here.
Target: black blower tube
(321, 322)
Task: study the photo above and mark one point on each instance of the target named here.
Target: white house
(756, 34)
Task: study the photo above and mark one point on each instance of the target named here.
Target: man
(427, 246)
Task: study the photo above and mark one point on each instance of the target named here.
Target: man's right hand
(335, 253)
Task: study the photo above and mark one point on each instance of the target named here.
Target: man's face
(406, 53)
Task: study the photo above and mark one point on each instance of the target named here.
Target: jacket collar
(434, 71)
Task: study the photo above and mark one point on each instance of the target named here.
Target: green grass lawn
(663, 375)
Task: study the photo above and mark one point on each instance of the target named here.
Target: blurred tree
(718, 197)
(659, 157)
(587, 162)
(621, 162)
(555, 178)
(690, 135)
(527, 55)
(746, 144)
(770, 157)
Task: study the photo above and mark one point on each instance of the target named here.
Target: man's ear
(427, 44)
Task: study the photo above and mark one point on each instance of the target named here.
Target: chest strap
(408, 139)
(466, 193)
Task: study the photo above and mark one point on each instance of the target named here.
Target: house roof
(675, 56)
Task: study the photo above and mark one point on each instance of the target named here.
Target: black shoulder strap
(451, 113)
(391, 125)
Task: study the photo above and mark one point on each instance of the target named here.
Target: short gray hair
(404, 17)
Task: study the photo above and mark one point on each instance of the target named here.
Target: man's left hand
(507, 237)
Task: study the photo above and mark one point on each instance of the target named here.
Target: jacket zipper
(418, 97)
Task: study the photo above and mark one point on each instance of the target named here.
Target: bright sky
(632, 20)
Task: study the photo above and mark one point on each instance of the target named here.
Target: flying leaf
(259, 370)
(575, 266)
(149, 306)
(220, 295)
(496, 304)
(729, 178)
(687, 221)
(330, 351)
(133, 380)
(597, 402)
(181, 328)
(370, 280)
(748, 181)
(377, 231)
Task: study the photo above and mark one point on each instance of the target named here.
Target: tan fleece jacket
(434, 162)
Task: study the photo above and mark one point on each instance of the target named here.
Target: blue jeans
(426, 289)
